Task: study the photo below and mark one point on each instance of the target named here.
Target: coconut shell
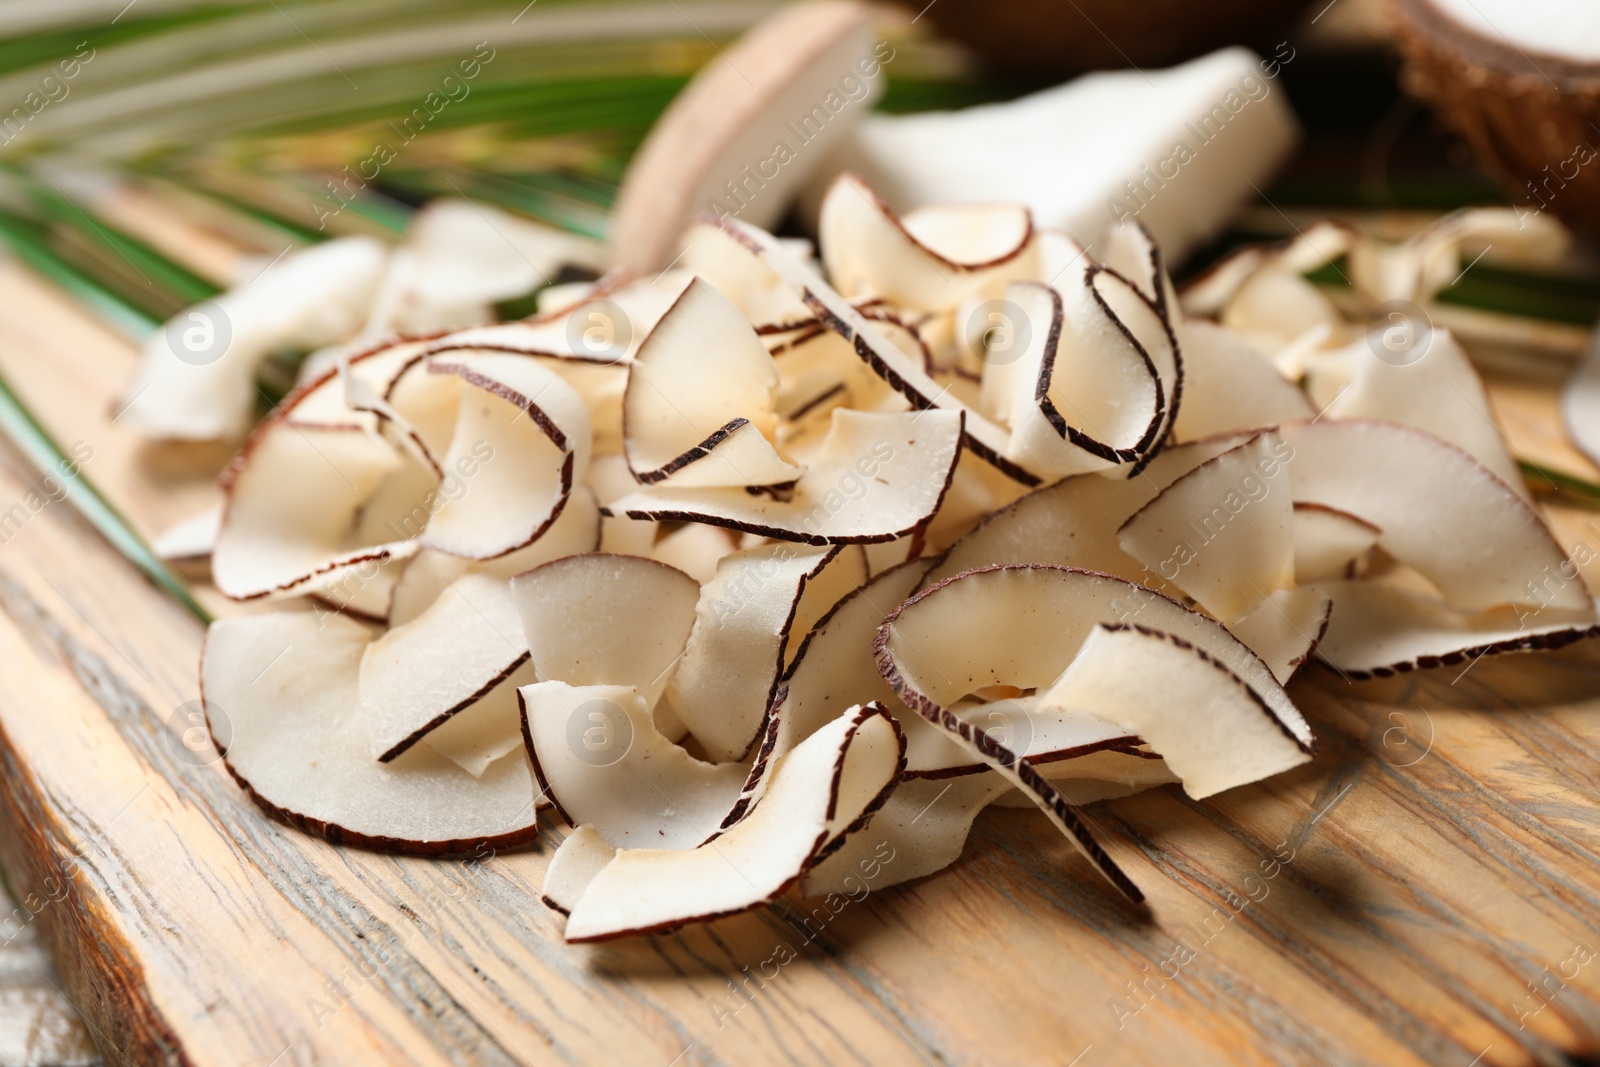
(1530, 117)
(1050, 40)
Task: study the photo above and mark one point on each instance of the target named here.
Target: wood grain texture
(1443, 854)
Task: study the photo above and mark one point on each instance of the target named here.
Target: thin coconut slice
(743, 627)
(1088, 394)
(822, 591)
(698, 410)
(600, 619)
(754, 288)
(692, 548)
(877, 477)
(1327, 542)
(191, 539)
(1019, 625)
(598, 755)
(485, 731)
(818, 367)
(573, 865)
(933, 258)
(1309, 250)
(196, 378)
(1434, 388)
(1285, 628)
(1041, 734)
(1228, 386)
(1223, 533)
(834, 669)
(604, 328)
(364, 591)
(1214, 731)
(423, 672)
(529, 432)
(922, 829)
(1378, 630)
(1431, 259)
(429, 572)
(904, 372)
(287, 688)
(291, 501)
(1104, 775)
(1276, 306)
(469, 256)
(1074, 522)
(1440, 511)
(829, 785)
(610, 480)
(1132, 256)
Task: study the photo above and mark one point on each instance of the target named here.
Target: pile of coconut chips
(749, 568)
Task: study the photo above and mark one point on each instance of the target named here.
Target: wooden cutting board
(1426, 892)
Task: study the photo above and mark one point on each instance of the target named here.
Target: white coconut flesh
(1376, 629)
(709, 253)
(907, 375)
(1228, 386)
(582, 855)
(282, 696)
(1075, 521)
(196, 378)
(836, 500)
(1223, 532)
(819, 792)
(931, 258)
(1285, 628)
(1019, 625)
(1086, 395)
(1328, 542)
(291, 503)
(429, 572)
(1214, 731)
(189, 539)
(602, 762)
(748, 619)
(698, 409)
(653, 556)
(922, 829)
(602, 619)
(529, 433)
(1439, 510)
(1432, 386)
(419, 674)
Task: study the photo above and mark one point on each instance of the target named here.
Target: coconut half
(1520, 83)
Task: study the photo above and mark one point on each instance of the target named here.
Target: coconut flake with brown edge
(283, 703)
